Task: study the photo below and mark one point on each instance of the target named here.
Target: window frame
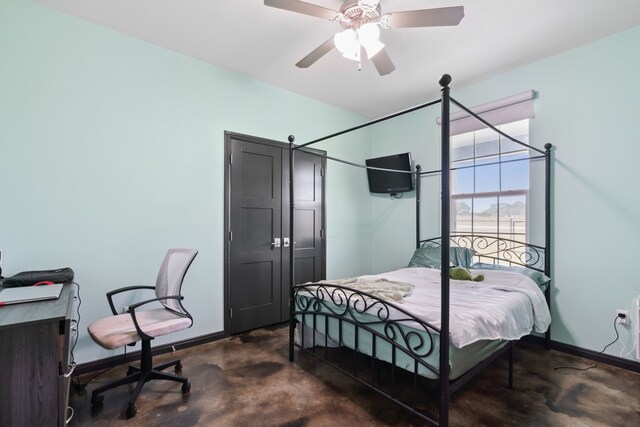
(524, 192)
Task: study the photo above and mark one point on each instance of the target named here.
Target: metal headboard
(497, 250)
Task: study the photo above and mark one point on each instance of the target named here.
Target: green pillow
(459, 273)
(429, 257)
(534, 275)
(425, 257)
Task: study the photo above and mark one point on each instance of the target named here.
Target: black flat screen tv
(390, 182)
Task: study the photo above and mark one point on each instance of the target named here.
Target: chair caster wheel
(131, 411)
(97, 400)
(186, 387)
(178, 367)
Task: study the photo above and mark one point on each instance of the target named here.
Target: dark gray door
(308, 222)
(258, 222)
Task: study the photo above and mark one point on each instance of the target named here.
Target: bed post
(292, 320)
(444, 245)
(418, 169)
(547, 233)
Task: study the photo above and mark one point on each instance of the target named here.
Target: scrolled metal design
(411, 340)
(407, 333)
(498, 249)
(340, 301)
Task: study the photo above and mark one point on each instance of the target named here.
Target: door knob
(285, 242)
(275, 243)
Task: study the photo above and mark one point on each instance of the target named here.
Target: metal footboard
(371, 336)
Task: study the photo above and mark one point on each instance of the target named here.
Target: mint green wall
(588, 108)
(348, 208)
(112, 152)
(393, 220)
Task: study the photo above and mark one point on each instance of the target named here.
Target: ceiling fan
(360, 20)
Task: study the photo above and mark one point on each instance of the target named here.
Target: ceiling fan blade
(316, 54)
(441, 17)
(383, 63)
(303, 7)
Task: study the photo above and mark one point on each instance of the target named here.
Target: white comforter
(503, 306)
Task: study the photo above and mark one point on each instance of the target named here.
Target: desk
(34, 358)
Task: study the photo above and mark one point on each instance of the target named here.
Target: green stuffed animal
(459, 273)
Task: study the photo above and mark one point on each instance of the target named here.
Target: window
(490, 198)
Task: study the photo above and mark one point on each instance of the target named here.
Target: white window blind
(511, 109)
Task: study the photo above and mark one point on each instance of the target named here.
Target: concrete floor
(247, 381)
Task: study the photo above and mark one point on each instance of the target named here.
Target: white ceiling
(264, 43)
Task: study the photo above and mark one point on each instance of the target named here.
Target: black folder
(28, 278)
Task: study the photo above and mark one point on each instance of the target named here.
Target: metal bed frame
(405, 334)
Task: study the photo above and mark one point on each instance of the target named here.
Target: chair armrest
(110, 294)
(133, 307)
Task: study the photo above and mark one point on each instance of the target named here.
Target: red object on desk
(44, 282)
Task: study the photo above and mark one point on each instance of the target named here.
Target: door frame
(228, 136)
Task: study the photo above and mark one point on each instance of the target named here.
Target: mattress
(461, 360)
(483, 317)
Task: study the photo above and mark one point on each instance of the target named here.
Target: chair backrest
(172, 271)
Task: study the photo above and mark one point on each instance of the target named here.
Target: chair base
(146, 372)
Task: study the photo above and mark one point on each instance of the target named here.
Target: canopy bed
(415, 320)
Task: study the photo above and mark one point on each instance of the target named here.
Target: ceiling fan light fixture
(369, 38)
(373, 48)
(368, 33)
(354, 55)
(348, 44)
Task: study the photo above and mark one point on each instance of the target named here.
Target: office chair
(144, 325)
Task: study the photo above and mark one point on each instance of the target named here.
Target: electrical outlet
(623, 316)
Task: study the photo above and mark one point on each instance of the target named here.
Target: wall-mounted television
(390, 182)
